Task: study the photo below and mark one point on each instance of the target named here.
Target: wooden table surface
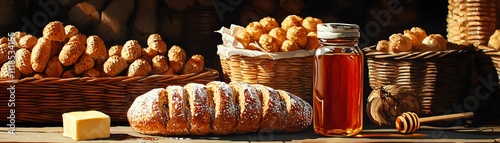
(126, 134)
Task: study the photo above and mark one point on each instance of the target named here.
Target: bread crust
(148, 115)
(28, 42)
(272, 115)
(195, 64)
(114, 65)
(220, 97)
(198, 110)
(54, 31)
(85, 62)
(249, 107)
(96, 49)
(40, 55)
(131, 51)
(298, 112)
(159, 64)
(23, 61)
(178, 123)
(71, 52)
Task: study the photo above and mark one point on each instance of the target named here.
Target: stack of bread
(218, 108)
(415, 39)
(63, 52)
(295, 33)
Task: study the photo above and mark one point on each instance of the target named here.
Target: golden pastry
(114, 65)
(421, 34)
(160, 64)
(297, 34)
(16, 36)
(495, 40)
(268, 23)
(415, 41)
(40, 54)
(255, 30)
(71, 52)
(139, 67)
(177, 58)
(28, 42)
(54, 31)
(131, 51)
(310, 23)
(79, 37)
(194, 65)
(278, 34)
(288, 46)
(9, 71)
(54, 68)
(70, 31)
(92, 73)
(154, 37)
(85, 62)
(433, 42)
(399, 43)
(4, 40)
(115, 50)
(68, 74)
(268, 43)
(244, 38)
(149, 52)
(23, 61)
(55, 48)
(312, 41)
(96, 49)
(291, 21)
(383, 46)
(159, 46)
(4, 53)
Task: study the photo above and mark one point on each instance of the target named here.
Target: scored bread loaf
(218, 108)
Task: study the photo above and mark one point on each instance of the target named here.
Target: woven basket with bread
(65, 71)
(272, 54)
(437, 71)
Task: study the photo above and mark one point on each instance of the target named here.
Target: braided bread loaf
(218, 108)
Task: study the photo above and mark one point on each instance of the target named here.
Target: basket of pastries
(64, 71)
(438, 73)
(266, 52)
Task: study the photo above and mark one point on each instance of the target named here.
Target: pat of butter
(86, 125)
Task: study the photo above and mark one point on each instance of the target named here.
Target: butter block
(86, 125)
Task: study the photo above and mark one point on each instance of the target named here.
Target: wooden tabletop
(126, 134)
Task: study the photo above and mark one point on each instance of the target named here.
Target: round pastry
(92, 73)
(177, 123)
(433, 42)
(268, 23)
(199, 112)
(268, 43)
(28, 42)
(139, 67)
(131, 51)
(421, 34)
(383, 46)
(288, 46)
(272, 115)
(244, 38)
(177, 58)
(4, 40)
(54, 67)
(159, 46)
(414, 38)
(16, 36)
(149, 52)
(310, 24)
(114, 65)
(115, 50)
(23, 61)
(147, 113)
(291, 21)
(70, 31)
(399, 43)
(40, 54)
(6, 71)
(220, 97)
(160, 64)
(96, 49)
(154, 37)
(278, 34)
(495, 40)
(298, 35)
(85, 62)
(4, 53)
(71, 52)
(54, 31)
(68, 74)
(194, 65)
(312, 41)
(255, 30)
(249, 106)
(79, 37)
(298, 112)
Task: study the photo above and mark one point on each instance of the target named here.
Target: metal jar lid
(337, 30)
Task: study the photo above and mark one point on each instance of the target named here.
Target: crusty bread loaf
(218, 108)
(23, 61)
(40, 54)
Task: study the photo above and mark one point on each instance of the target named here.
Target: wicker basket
(45, 100)
(471, 22)
(440, 79)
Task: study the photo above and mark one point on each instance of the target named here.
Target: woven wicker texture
(440, 79)
(293, 75)
(45, 100)
(471, 21)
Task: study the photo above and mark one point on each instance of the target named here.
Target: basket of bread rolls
(65, 71)
(266, 52)
(437, 71)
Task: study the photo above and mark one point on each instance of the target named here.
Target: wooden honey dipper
(409, 122)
